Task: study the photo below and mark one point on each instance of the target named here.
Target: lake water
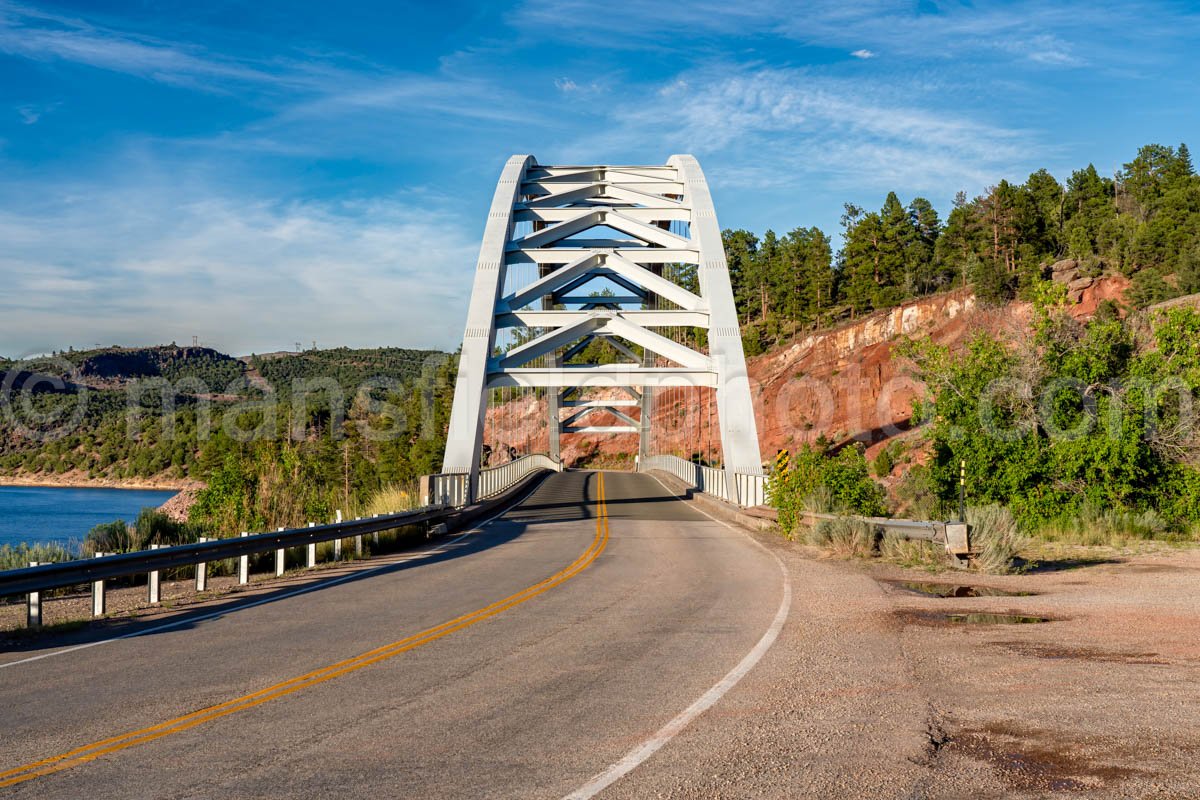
(45, 514)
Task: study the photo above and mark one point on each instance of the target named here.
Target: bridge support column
(554, 420)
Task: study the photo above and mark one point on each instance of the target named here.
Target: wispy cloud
(32, 33)
(1046, 34)
(31, 114)
(795, 127)
(863, 54)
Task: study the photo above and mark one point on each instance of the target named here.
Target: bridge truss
(628, 258)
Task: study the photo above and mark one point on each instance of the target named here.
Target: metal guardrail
(710, 480)
(453, 488)
(36, 579)
(954, 536)
(89, 570)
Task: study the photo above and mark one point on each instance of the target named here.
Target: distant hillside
(349, 367)
(205, 371)
(106, 424)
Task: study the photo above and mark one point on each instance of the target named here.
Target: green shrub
(884, 463)
(151, 527)
(918, 495)
(109, 537)
(840, 484)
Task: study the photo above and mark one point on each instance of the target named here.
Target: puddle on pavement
(995, 619)
(957, 590)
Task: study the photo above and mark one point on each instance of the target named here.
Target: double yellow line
(90, 752)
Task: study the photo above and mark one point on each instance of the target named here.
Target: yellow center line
(89, 752)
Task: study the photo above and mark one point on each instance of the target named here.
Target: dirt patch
(1032, 759)
(957, 618)
(1052, 651)
(1159, 568)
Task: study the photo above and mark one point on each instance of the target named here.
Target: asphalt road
(519, 661)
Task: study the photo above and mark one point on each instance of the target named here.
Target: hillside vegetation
(1143, 223)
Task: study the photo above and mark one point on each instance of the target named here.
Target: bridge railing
(453, 489)
(751, 489)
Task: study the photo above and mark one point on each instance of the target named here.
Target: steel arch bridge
(645, 241)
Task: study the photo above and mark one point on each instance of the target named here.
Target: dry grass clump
(994, 537)
(918, 553)
(844, 537)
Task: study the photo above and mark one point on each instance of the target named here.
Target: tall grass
(848, 538)
(1095, 526)
(911, 552)
(16, 556)
(389, 500)
(995, 537)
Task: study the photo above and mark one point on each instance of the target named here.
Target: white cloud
(566, 85)
(863, 54)
(152, 263)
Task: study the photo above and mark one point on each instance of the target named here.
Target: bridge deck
(530, 698)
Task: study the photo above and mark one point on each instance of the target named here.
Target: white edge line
(303, 590)
(635, 757)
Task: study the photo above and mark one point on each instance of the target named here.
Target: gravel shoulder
(871, 691)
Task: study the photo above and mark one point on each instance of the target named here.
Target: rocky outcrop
(1085, 290)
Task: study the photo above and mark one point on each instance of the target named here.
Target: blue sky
(261, 174)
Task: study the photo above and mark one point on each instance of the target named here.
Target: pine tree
(921, 263)
(1183, 161)
(741, 250)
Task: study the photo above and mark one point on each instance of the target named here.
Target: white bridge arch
(640, 220)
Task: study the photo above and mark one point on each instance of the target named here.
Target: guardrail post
(311, 560)
(279, 559)
(98, 595)
(201, 570)
(244, 565)
(337, 543)
(33, 607)
(153, 583)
